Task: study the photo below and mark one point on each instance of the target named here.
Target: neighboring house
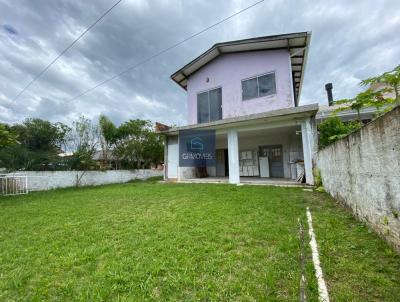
(100, 155)
(380, 86)
(106, 159)
(325, 111)
(248, 91)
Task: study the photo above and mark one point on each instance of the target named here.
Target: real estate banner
(197, 148)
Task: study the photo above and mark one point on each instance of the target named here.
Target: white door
(264, 166)
(173, 157)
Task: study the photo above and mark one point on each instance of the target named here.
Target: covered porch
(273, 148)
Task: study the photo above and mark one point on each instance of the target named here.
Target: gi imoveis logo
(197, 148)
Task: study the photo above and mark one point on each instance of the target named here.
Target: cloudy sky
(351, 40)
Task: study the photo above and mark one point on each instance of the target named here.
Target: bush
(333, 129)
(317, 177)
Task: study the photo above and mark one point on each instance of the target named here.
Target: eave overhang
(293, 113)
(296, 43)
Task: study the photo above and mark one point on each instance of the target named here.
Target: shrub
(333, 129)
(317, 177)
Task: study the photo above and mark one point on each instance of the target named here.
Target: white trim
(233, 157)
(208, 90)
(172, 157)
(322, 289)
(297, 52)
(308, 148)
(292, 87)
(258, 75)
(290, 113)
(272, 125)
(303, 67)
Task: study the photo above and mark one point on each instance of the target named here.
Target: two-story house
(248, 92)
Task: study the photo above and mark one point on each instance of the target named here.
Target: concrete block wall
(47, 180)
(362, 170)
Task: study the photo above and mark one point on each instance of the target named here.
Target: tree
(367, 98)
(134, 142)
(154, 149)
(390, 78)
(137, 145)
(37, 134)
(108, 129)
(131, 142)
(7, 137)
(84, 140)
(375, 98)
(39, 144)
(108, 136)
(333, 128)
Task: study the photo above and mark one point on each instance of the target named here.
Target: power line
(162, 51)
(65, 50)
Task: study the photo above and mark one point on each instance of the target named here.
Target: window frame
(209, 107)
(258, 86)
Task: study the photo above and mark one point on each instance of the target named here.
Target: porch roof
(292, 113)
(296, 43)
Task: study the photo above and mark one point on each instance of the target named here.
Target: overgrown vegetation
(7, 138)
(36, 144)
(391, 79)
(134, 143)
(36, 147)
(185, 242)
(333, 128)
(375, 96)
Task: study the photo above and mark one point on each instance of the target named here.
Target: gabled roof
(295, 43)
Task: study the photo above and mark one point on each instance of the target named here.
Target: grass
(151, 241)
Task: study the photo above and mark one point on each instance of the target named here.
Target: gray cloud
(351, 41)
(9, 29)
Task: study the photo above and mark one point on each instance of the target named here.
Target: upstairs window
(258, 86)
(209, 106)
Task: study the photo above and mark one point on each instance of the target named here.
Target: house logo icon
(196, 144)
(197, 148)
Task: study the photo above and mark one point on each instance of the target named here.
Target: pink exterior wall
(228, 70)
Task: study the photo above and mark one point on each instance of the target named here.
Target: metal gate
(13, 184)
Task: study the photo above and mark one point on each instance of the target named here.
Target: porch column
(233, 157)
(307, 135)
(165, 172)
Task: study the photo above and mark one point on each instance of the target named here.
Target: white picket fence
(14, 184)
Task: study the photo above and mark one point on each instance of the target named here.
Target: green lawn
(149, 241)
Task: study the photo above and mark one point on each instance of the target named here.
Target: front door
(275, 159)
(226, 162)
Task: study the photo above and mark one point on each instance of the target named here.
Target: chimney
(328, 88)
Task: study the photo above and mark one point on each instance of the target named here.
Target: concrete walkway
(280, 182)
